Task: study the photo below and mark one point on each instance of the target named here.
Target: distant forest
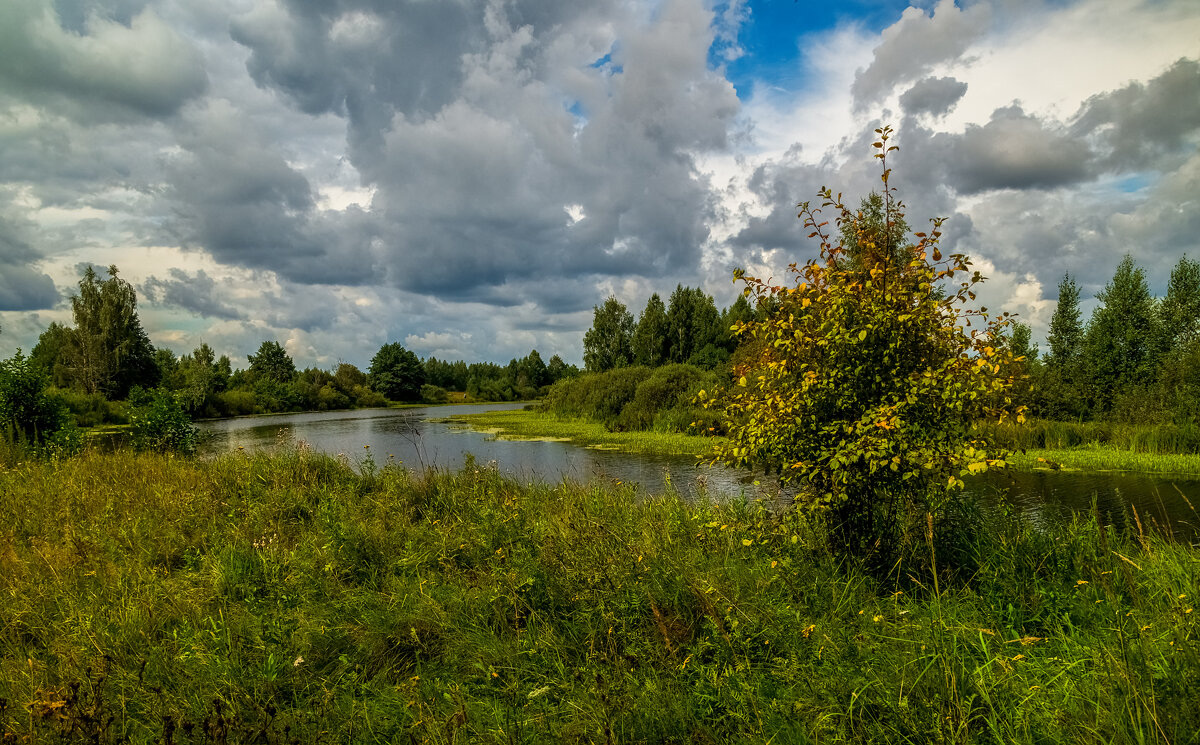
(106, 359)
(1136, 360)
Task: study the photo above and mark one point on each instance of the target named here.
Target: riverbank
(535, 425)
(1100, 459)
(524, 424)
(285, 596)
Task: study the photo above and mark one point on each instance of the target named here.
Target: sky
(471, 177)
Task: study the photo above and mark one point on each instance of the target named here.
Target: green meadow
(293, 597)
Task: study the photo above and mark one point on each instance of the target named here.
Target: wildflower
(298, 661)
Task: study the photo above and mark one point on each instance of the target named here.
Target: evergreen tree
(609, 342)
(1180, 310)
(740, 312)
(1121, 338)
(557, 369)
(1066, 329)
(877, 235)
(650, 336)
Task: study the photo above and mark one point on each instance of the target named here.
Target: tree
(50, 354)
(108, 352)
(650, 336)
(693, 323)
(201, 378)
(1066, 330)
(1121, 338)
(609, 342)
(740, 312)
(272, 363)
(27, 414)
(1180, 309)
(874, 232)
(396, 373)
(557, 369)
(866, 379)
(531, 372)
(1059, 389)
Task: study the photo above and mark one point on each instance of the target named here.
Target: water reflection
(418, 439)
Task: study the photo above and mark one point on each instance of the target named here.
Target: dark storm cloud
(196, 293)
(499, 152)
(237, 197)
(25, 288)
(914, 44)
(1141, 122)
(99, 69)
(22, 286)
(1014, 150)
(934, 96)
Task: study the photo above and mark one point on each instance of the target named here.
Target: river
(420, 438)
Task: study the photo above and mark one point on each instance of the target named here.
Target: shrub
(158, 422)
(866, 378)
(597, 396)
(30, 419)
(434, 394)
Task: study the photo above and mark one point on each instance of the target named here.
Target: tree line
(104, 363)
(687, 330)
(1135, 360)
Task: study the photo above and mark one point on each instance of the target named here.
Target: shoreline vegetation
(526, 424)
(271, 596)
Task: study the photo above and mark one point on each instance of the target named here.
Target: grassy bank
(276, 597)
(1102, 458)
(535, 425)
(522, 424)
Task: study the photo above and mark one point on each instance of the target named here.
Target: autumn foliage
(860, 388)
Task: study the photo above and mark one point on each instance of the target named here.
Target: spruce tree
(1121, 338)
(1180, 311)
(1066, 330)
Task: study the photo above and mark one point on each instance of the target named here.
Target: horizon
(469, 179)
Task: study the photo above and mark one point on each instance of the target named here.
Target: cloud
(1138, 124)
(22, 287)
(934, 96)
(1013, 150)
(196, 293)
(235, 195)
(912, 46)
(106, 68)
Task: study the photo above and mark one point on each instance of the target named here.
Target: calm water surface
(418, 438)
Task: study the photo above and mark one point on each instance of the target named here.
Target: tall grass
(1043, 434)
(290, 596)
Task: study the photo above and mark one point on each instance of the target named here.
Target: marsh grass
(287, 597)
(527, 424)
(1042, 434)
(1098, 458)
